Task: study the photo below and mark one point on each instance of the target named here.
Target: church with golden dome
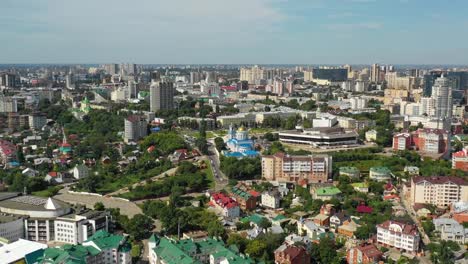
(239, 144)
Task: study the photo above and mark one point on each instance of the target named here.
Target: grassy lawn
(260, 130)
(209, 174)
(49, 192)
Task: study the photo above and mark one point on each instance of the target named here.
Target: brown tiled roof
(370, 251)
(440, 179)
(405, 228)
(293, 251)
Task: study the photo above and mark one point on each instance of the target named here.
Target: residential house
(246, 200)
(365, 254)
(271, 199)
(398, 235)
(325, 193)
(451, 230)
(380, 174)
(337, 220)
(229, 207)
(349, 226)
(289, 254)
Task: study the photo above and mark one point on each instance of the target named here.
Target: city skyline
(234, 32)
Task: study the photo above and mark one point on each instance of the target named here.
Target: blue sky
(234, 31)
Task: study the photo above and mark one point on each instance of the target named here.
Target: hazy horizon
(335, 32)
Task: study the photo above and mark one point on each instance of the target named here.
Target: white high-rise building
(375, 73)
(136, 128)
(161, 96)
(442, 95)
(252, 75)
(358, 103)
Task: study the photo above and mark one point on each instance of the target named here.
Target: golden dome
(242, 128)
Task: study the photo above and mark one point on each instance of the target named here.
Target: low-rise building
(77, 228)
(451, 230)
(325, 193)
(291, 255)
(228, 206)
(246, 200)
(365, 254)
(432, 140)
(163, 250)
(439, 191)
(460, 160)
(321, 136)
(102, 247)
(17, 251)
(349, 227)
(380, 174)
(398, 235)
(271, 199)
(371, 135)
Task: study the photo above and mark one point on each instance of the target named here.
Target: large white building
(442, 95)
(439, 191)
(77, 228)
(136, 127)
(398, 235)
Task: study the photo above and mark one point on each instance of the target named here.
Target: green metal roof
(349, 170)
(241, 193)
(181, 251)
(327, 191)
(380, 169)
(255, 218)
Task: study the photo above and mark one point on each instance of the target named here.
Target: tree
(255, 248)
(140, 227)
(264, 223)
(238, 240)
(219, 143)
(99, 206)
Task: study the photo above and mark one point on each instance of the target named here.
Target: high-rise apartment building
(8, 104)
(442, 95)
(438, 190)
(136, 127)
(195, 77)
(252, 75)
(8, 80)
(298, 169)
(162, 96)
(375, 73)
(112, 68)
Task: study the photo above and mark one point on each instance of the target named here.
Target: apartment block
(297, 169)
(439, 190)
(398, 235)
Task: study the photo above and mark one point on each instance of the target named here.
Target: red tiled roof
(370, 251)
(364, 209)
(53, 174)
(440, 180)
(461, 154)
(293, 252)
(224, 201)
(254, 193)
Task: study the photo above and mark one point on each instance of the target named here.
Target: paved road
(169, 172)
(126, 208)
(220, 179)
(412, 214)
